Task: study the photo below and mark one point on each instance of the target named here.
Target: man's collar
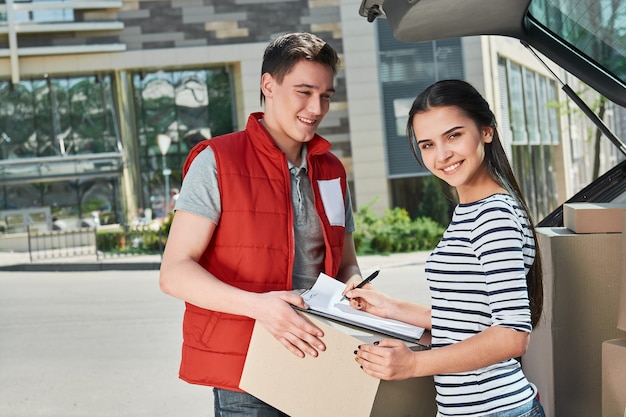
(304, 153)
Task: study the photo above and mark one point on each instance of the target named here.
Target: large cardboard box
(594, 217)
(614, 378)
(621, 319)
(332, 384)
(614, 357)
(564, 358)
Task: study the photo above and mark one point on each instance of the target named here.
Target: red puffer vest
(253, 246)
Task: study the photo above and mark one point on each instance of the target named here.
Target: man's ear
(267, 84)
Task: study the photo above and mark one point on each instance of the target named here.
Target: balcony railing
(26, 17)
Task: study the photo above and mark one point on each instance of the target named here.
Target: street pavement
(86, 338)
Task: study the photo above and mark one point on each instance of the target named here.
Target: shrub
(395, 231)
(140, 239)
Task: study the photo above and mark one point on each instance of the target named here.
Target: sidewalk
(20, 261)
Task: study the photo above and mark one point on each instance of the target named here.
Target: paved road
(107, 343)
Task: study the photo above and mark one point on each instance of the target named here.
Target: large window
(533, 121)
(405, 70)
(185, 105)
(59, 146)
(57, 116)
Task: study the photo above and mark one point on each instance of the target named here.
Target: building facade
(87, 87)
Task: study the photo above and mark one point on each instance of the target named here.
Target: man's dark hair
(284, 52)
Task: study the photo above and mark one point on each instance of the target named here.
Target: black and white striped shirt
(477, 278)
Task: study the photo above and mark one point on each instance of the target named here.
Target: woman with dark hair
(485, 275)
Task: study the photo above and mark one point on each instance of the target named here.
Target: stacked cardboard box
(594, 217)
(582, 275)
(614, 378)
(614, 356)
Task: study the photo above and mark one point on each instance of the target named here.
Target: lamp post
(164, 145)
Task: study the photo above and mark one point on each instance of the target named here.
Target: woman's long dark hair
(462, 95)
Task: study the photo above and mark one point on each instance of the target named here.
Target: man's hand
(297, 334)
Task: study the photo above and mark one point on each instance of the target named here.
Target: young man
(260, 212)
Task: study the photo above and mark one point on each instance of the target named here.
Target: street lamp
(164, 145)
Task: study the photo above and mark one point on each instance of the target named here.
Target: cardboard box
(614, 378)
(333, 384)
(582, 273)
(594, 217)
(621, 319)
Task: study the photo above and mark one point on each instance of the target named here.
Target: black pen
(365, 281)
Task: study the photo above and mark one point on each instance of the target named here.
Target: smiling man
(260, 212)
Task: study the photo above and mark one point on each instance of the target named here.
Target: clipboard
(422, 340)
(325, 300)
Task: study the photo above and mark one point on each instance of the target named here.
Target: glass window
(57, 116)
(188, 106)
(543, 110)
(405, 70)
(553, 112)
(448, 59)
(91, 120)
(44, 15)
(17, 120)
(516, 101)
(597, 28)
(71, 201)
(530, 105)
(401, 108)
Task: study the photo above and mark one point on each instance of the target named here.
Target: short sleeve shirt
(200, 195)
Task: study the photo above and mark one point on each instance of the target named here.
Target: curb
(366, 262)
(83, 267)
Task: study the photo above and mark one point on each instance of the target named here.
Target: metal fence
(62, 243)
(87, 241)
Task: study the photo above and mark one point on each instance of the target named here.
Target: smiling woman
(586, 39)
(485, 274)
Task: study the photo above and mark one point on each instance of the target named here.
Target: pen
(365, 281)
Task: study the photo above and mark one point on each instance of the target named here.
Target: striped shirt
(477, 278)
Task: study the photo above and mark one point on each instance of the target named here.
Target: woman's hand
(368, 299)
(388, 359)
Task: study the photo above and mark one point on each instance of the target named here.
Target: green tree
(436, 201)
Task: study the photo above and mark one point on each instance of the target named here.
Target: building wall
(364, 111)
(176, 34)
(173, 35)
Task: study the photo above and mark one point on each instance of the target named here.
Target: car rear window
(596, 28)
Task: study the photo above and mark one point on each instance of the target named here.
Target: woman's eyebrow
(452, 129)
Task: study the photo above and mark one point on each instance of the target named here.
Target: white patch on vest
(334, 204)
